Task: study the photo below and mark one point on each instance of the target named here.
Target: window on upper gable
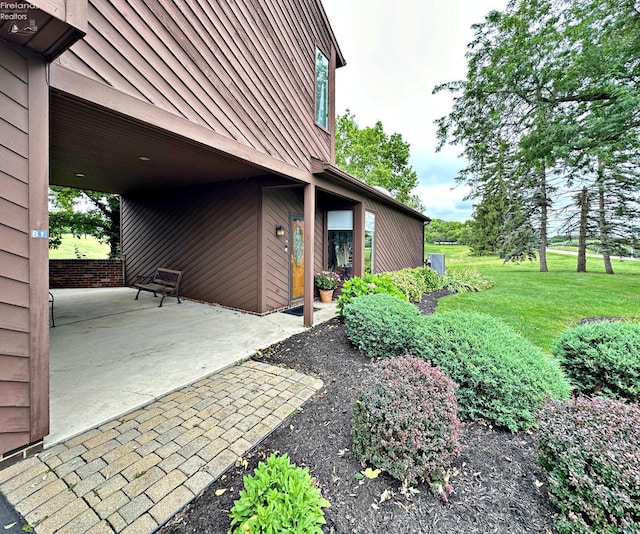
(322, 90)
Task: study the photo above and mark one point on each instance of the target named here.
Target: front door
(297, 257)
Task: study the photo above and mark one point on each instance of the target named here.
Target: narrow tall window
(369, 241)
(322, 90)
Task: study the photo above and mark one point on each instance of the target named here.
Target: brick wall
(85, 273)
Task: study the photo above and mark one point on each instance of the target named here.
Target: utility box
(436, 262)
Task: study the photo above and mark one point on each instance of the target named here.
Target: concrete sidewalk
(135, 472)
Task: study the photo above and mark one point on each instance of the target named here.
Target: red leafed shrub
(406, 421)
(589, 451)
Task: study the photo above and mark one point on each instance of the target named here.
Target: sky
(396, 53)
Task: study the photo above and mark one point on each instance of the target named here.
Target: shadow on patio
(110, 354)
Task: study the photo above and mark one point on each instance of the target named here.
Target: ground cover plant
(589, 450)
(602, 358)
(502, 377)
(278, 497)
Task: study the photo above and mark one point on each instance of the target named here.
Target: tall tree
(83, 212)
(377, 158)
(552, 89)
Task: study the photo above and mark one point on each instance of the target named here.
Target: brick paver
(133, 473)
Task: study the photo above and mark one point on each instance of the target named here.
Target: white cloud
(396, 53)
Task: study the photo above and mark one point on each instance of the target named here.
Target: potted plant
(326, 282)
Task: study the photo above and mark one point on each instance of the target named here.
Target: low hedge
(589, 452)
(502, 378)
(381, 326)
(602, 358)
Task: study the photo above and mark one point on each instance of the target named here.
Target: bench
(165, 282)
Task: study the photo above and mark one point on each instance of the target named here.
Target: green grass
(541, 305)
(87, 248)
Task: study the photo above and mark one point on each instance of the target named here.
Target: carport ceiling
(92, 148)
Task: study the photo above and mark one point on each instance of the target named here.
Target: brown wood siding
(243, 69)
(279, 204)
(210, 233)
(399, 238)
(14, 250)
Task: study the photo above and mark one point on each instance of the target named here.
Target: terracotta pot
(326, 295)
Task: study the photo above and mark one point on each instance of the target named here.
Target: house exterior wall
(24, 416)
(242, 69)
(208, 232)
(399, 238)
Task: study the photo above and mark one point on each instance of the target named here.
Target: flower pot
(326, 295)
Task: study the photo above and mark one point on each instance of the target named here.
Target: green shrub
(406, 421)
(278, 497)
(502, 378)
(589, 451)
(602, 358)
(381, 326)
(415, 282)
(466, 281)
(432, 280)
(369, 284)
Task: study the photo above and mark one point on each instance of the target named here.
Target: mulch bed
(497, 482)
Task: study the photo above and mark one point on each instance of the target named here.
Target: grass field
(84, 248)
(541, 305)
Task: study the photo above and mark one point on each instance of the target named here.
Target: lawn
(541, 305)
(72, 248)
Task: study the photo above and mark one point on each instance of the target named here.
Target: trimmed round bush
(502, 378)
(406, 421)
(589, 452)
(381, 326)
(602, 358)
(278, 497)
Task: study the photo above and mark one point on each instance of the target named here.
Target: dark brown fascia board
(340, 61)
(331, 172)
(66, 21)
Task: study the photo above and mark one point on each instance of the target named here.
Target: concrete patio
(110, 354)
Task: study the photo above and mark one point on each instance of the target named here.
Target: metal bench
(165, 282)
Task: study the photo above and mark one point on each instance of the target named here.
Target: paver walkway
(134, 473)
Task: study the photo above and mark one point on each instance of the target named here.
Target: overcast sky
(396, 53)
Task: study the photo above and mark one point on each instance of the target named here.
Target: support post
(309, 245)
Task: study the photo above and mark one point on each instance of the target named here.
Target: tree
(441, 231)
(376, 158)
(83, 212)
(551, 90)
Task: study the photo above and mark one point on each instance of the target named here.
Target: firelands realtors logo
(18, 17)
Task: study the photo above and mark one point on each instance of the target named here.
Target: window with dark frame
(322, 90)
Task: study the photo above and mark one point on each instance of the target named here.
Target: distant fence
(86, 273)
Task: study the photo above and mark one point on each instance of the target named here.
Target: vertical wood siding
(14, 251)
(209, 232)
(279, 204)
(245, 69)
(399, 238)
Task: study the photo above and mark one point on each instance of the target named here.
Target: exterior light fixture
(279, 230)
(80, 175)
(144, 158)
